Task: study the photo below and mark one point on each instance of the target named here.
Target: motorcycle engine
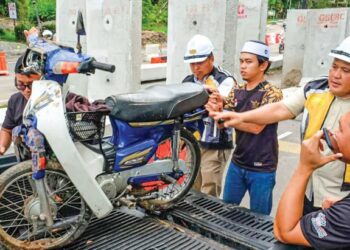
(111, 184)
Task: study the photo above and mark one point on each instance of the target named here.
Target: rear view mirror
(80, 28)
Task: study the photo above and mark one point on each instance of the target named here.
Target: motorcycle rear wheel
(18, 203)
(170, 194)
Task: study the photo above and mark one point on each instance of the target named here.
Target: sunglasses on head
(21, 86)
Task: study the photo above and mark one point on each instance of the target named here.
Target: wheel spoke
(19, 204)
(189, 164)
(13, 210)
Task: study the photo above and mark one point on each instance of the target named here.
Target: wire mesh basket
(86, 126)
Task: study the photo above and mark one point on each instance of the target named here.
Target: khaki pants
(213, 162)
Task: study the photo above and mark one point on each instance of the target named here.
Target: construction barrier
(273, 38)
(158, 59)
(3, 64)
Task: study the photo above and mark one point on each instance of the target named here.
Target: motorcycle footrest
(168, 179)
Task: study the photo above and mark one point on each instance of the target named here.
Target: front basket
(85, 126)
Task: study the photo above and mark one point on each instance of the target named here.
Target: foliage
(7, 35)
(281, 6)
(155, 15)
(20, 27)
(51, 25)
(46, 10)
(22, 9)
(3, 7)
(26, 10)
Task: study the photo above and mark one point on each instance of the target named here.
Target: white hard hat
(342, 52)
(47, 34)
(256, 48)
(198, 49)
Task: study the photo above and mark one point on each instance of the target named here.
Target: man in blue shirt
(16, 104)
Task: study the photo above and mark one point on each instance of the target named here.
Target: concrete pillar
(66, 17)
(294, 44)
(187, 18)
(228, 27)
(230, 40)
(114, 37)
(251, 25)
(326, 29)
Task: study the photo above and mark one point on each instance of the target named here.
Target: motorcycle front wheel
(20, 227)
(170, 194)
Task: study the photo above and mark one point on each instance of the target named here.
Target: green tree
(46, 10)
(22, 9)
(155, 15)
(281, 6)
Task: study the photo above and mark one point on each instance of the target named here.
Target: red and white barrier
(273, 38)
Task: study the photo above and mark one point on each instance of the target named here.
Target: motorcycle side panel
(46, 102)
(135, 155)
(139, 140)
(126, 135)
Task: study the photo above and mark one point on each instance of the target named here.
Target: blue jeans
(259, 185)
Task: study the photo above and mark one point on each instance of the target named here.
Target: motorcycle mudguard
(46, 104)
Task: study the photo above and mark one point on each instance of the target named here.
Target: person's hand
(310, 155)
(215, 102)
(2, 150)
(328, 202)
(31, 34)
(229, 119)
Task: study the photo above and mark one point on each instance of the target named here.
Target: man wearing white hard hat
(215, 144)
(322, 103)
(254, 160)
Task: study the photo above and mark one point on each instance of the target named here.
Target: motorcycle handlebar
(103, 66)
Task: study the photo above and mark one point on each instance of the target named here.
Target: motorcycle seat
(157, 103)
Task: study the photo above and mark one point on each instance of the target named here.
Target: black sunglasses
(21, 86)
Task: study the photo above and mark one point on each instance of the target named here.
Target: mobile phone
(327, 138)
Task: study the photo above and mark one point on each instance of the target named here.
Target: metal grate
(84, 126)
(231, 225)
(125, 231)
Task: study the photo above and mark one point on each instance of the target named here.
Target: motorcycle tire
(18, 203)
(188, 145)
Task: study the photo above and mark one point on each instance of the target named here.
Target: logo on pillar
(241, 11)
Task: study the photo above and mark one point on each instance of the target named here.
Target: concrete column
(325, 30)
(294, 44)
(66, 17)
(187, 18)
(229, 59)
(114, 37)
(251, 25)
(348, 24)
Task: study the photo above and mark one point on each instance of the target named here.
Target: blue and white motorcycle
(150, 160)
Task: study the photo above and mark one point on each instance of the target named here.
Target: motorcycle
(151, 159)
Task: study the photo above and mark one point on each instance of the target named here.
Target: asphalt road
(7, 87)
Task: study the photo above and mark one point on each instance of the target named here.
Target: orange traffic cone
(4, 70)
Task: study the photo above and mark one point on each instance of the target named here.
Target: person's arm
(264, 115)
(250, 127)
(287, 227)
(5, 139)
